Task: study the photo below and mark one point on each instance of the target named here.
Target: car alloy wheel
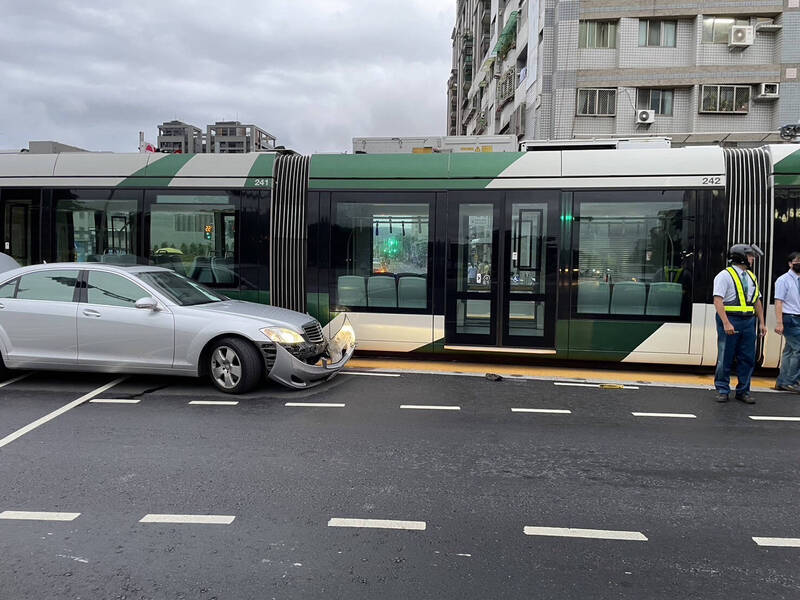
(226, 367)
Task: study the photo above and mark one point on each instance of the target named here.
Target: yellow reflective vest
(742, 307)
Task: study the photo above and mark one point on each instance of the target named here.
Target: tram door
(20, 211)
(502, 263)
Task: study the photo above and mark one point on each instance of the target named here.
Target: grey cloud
(314, 73)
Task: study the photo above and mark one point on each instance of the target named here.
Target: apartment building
(221, 137)
(718, 71)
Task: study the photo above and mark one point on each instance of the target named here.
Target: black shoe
(746, 398)
(722, 397)
(795, 387)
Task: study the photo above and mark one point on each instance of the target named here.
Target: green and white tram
(574, 254)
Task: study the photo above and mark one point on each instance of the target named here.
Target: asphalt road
(682, 497)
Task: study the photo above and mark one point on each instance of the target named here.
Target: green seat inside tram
(382, 291)
(628, 298)
(412, 292)
(593, 297)
(351, 290)
(665, 299)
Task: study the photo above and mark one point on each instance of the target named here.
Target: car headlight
(282, 335)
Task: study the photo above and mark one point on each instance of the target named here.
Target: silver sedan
(103, 318)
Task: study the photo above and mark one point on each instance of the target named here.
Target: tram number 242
(712, 180)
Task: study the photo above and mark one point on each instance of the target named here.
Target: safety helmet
(738, 253)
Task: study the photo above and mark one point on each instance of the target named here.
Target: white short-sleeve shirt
(725, 288)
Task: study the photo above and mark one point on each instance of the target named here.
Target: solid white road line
(548, 411)
(428, 407)
(757, 418)
(22, 515)
(596, 534)
(189, 519)
(369, 374)
(315, 404)
(595, 385)
(378, 524)
(666, 415)
(49, 417)
(114, 401)
(778, 542)
(214, 402)
(15, 380)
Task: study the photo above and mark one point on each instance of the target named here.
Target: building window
(725, 99)
(657, 33)
(657, 100)
(597, 34)
(717, 30)
(597, 103)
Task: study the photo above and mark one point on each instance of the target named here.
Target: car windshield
(179, 289)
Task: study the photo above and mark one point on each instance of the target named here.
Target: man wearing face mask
(787, 311)
(737, 300)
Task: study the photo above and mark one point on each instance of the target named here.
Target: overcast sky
(314, 73)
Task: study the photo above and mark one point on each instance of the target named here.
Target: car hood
(262, 312)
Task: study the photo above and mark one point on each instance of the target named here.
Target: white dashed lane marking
(315, 404)
(777, 542)
(189, 519)
(369, 374)
(21, 515)
(378, 524)
(595, 534)
(114, 401)
(49, 417)
(214, 402)
(665, 415)
(766, 418)
(547, 411)
(428, 407)
(15, 380)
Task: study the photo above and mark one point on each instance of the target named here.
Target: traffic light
(208, 231)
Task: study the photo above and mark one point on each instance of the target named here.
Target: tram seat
(628, 298)
(382, 291)
(93, 257)
(351, 291)
(119, 259)
(201, 270)
(222, 269)
(665, 299)
(170, 261)
(412, 292)
(593, 297)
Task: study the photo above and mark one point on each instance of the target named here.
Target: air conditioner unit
(742, 36)
(645, 117)
(768, 91)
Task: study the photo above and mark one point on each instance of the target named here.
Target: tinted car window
(113, 290)
(179, 289)
(7, 290)
(57, 286)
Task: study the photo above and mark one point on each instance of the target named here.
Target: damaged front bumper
(292, 372)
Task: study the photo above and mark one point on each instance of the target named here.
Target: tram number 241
(712, 180)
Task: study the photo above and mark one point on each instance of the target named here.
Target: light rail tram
(572, 254)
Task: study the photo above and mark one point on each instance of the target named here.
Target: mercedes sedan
(142, 319)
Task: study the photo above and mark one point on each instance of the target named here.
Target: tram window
(635, 257)
(97, 226)
(195, 235)
(380, 255)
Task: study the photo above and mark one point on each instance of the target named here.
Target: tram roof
(664, 166)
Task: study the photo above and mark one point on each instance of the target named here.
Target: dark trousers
(740, 346)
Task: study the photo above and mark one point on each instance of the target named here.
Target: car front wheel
(234, 366)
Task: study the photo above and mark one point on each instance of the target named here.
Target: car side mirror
(147, 303)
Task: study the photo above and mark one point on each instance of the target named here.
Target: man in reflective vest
(737, 300)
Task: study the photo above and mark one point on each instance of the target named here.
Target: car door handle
(91, 313)
(2, 305)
